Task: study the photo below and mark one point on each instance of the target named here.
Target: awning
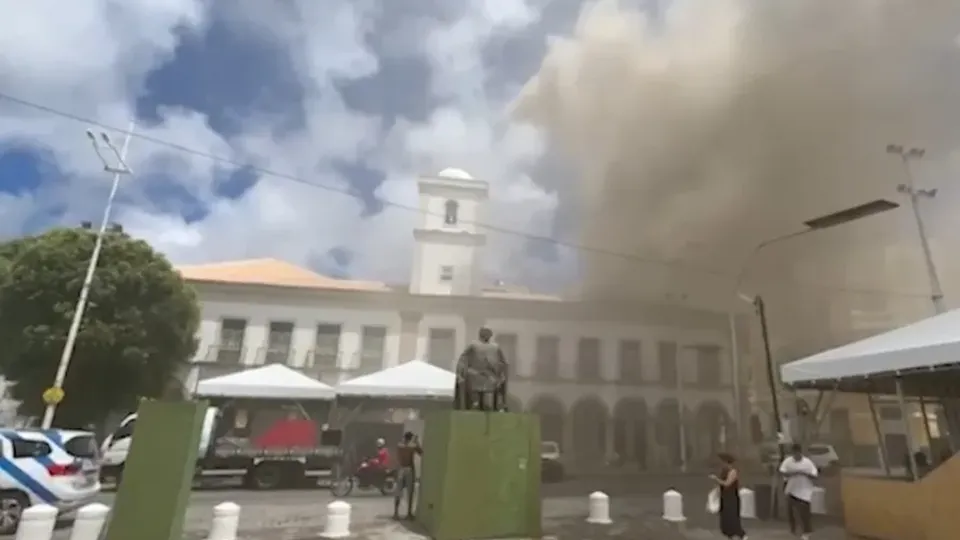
(274, 381)
(929, 344)
(411, 380)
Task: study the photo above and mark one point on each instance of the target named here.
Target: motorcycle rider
(376, 467)
(383, 455)
(407, 451)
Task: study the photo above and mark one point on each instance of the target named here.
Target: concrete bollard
(37, 523)
(338, 520)
(226, 521)
(90, 521)
(818, 503)
(599, 509)
(748, 504)
(673, 507)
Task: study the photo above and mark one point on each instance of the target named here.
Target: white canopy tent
(928, 344)
(412, 380)
(274, 381)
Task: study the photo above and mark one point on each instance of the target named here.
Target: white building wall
(610, 334)
(305, 320)
(567, 390)
(431, 256)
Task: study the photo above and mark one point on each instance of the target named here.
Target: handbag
(713, 501)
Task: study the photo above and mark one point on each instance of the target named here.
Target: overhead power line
(264, 172)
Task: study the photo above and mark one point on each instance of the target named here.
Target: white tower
(448, 243)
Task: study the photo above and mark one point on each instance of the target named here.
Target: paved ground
(635, 508)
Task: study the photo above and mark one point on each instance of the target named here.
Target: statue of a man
(482, 375)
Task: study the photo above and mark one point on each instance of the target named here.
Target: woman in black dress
(729, 485)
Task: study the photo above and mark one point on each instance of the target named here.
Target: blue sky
(369, 86)
(684, 131)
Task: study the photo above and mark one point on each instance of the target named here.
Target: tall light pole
(828, 221)
(906, 155)
(55, 394)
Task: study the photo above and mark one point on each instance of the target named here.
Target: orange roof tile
(271, 272)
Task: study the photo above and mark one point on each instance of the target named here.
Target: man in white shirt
(799, 471)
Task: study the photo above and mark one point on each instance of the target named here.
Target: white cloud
(91, 59)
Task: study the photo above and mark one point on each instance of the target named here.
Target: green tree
(136, 338)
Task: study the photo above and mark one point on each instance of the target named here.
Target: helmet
(381, 442)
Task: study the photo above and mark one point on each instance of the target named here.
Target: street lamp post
(119, 170)
(827, 221)
(906, 155)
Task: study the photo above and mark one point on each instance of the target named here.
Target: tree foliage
(137, 334)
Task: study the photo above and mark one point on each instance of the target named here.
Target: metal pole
(680, 409)
(926, 427)
(936, 291)
(735, 367)
(735, 360)
(771, 378)
(884, 459)
(911, 459)
(87, 282)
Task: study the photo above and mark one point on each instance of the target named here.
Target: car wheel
(12, 505)
(267, 476)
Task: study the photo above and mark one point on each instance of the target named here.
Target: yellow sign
(53, 395)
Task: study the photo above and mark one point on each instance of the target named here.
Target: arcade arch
(551, 412)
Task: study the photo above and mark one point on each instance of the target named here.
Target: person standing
(728, 482)
(799, 471)
(407, 451)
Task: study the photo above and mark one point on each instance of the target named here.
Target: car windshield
(549, 448)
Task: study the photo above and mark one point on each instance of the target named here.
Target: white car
(824, 456)
(551, 464)
(57, 467)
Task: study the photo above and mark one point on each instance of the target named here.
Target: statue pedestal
(480, 476)
(152, 497)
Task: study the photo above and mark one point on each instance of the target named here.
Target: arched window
(451, 208)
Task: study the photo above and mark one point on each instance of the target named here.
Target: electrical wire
(264, 172)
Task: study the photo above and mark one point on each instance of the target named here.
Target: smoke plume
(700, 131)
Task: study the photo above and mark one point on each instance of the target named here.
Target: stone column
(609, 436)
(654, 453)
(568, 437)
(409, 334)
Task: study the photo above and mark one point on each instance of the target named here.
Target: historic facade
(609, 380)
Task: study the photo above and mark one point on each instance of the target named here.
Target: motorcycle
(367, 477)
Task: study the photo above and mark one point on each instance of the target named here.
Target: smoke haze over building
(713, 125)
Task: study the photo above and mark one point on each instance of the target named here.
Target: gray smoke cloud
(705, 129)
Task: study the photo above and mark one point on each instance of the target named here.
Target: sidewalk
(564, 520)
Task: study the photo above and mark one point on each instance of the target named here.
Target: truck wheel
(12, 505)
(267, 476)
